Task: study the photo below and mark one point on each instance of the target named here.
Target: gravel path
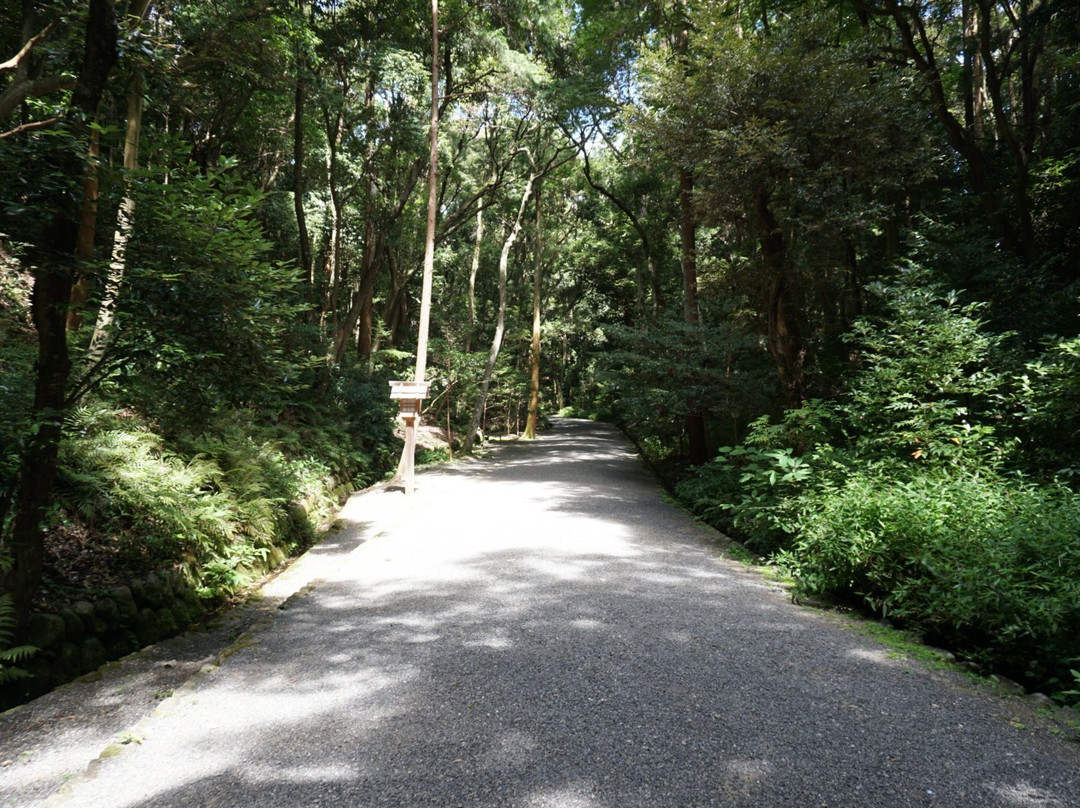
(536, 629)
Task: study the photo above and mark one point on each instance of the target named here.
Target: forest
(820, 259)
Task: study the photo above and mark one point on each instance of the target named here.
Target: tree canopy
(800, 251)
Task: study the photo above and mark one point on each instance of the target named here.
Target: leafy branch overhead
(819, 260)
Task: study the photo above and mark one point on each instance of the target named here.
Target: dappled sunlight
(511, 643)
(512, 748)
(1025, 795)
(576, 796)
(879, 656)
(213, 728)
(743, 776)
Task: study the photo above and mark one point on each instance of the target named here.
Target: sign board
(409, 396)
(415, 390)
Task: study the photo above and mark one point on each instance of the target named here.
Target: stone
(68, 662)
(166, 621)
(44, 630)
(182, 617)
(74, 630)
(194, 605)
(93, 654)
(106, 610)
(125, 603)
(1041, 700)
(1006, 686)
(138, 591)
(148, 626)
(153, 591)
(85, 610)
(120, 643)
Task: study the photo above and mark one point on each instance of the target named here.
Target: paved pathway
(536, 629)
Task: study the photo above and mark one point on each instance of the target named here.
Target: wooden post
(410, 396)
(410, 452)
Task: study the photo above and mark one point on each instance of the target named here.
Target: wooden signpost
(410, 398)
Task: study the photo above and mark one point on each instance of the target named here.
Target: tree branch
(26, 127)
(17, 92)
(15, 61)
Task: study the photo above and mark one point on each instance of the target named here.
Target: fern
(9, 654)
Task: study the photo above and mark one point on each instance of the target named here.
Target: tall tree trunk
(695, 421)
(432, 203)
(361, 300)
(372, 246)
(534, 352)
(784, 338)
(125, 219)
(55, 267)
(500, 320)
(474, 269)
(1014, 230)
(336, 287)
(429, 237)
(299, 153)
(84, 241)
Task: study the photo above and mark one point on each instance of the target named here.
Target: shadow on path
(543, 629)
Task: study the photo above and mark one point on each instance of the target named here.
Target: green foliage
(651, 378)
(205, 321)
(11, 655)
(1050, 419)
(981, 563)
(216, 502)
(896, 496)
(752, 491)
(925, 388)
(159, 506)
(17, 355)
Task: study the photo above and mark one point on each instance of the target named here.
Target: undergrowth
(934, 491)
(215, 503)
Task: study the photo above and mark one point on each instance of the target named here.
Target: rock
(173, 581)
(124, 599)
(74, 630)
(1007, 686)
(148, 626)
(120, 643)
(68, 663)
(44, 630)
(106, 610)
(166, 621)
(93, 654)
(153, 591)
(194, 605)
(138, 591)
(85, 610)
(1041, 700)
(181, 616)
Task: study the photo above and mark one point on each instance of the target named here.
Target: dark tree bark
(785, 338)
(695, 421)
(56, 265)
(306, 261)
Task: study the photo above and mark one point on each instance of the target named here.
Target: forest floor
(539, 628)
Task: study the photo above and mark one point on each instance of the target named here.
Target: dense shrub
(907, 495)
(649, 380)
(216, 502)
(982, 563)
(1049, 416)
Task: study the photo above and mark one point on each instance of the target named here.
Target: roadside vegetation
(819, 259)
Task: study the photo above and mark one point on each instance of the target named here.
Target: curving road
(538, 629)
